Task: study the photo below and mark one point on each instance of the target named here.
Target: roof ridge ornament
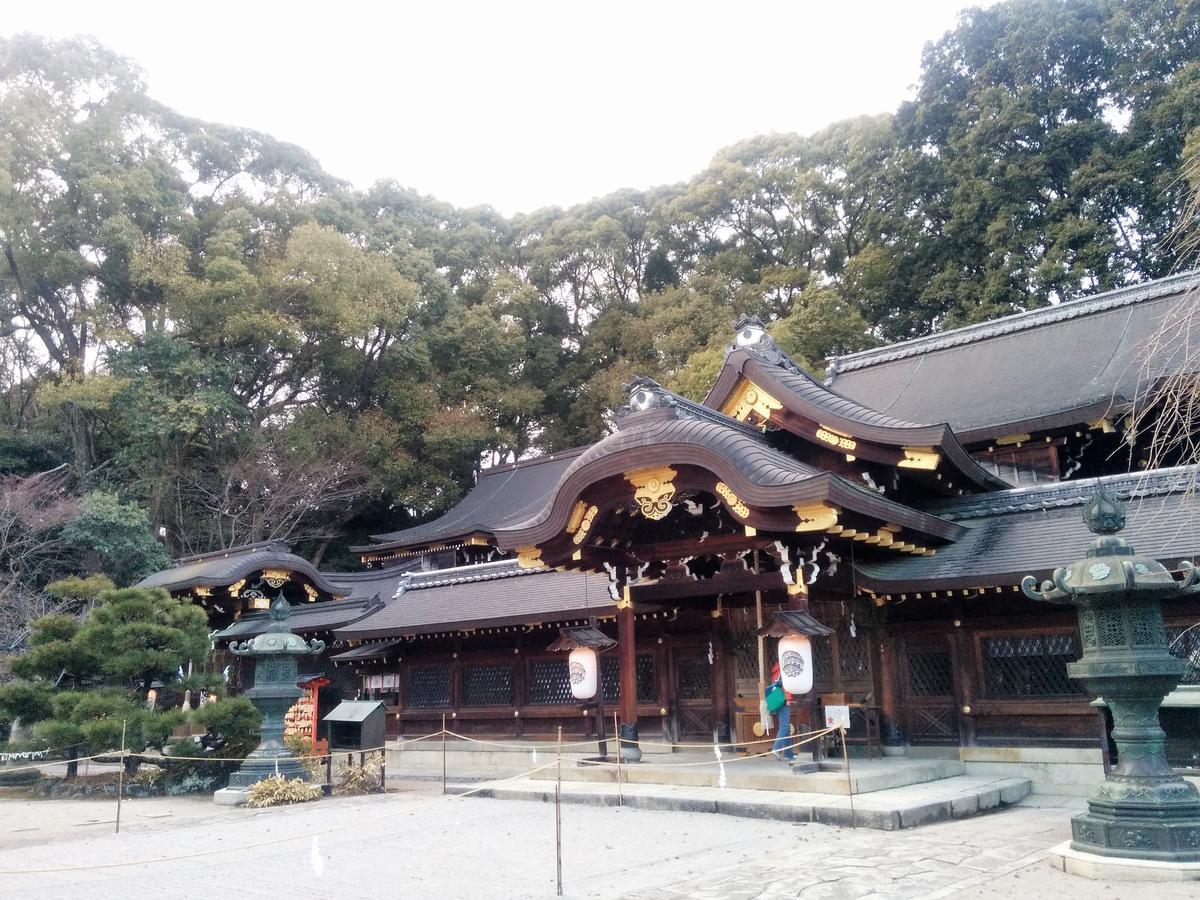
(644, 393)
(751, 334)
(1104, 514)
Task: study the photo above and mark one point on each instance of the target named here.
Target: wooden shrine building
(900, 503)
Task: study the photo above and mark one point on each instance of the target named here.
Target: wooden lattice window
(1032, 665)
(489, 685)
(548, 682)
(429, 686)
(930, 673)
(1185, 643)
(853, 663)
(694, 674)
(647, 682)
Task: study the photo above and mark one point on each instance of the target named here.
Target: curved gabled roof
(227, 566)
(677, 434)
(802, 395)
(503, 494)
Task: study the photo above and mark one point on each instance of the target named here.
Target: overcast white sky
(515, 104)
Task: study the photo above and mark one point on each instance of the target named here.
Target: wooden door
(693, 693)
(930, 707)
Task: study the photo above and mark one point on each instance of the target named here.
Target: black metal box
(356, 725)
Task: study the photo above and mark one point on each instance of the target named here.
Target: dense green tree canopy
(203, 323)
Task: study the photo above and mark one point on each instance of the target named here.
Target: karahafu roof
(224, 567)
(503, 494)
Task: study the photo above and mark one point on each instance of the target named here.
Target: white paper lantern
(583, 671)
(795, 663)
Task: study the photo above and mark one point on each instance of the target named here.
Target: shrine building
(898, 503)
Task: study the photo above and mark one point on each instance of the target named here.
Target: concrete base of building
(231, 796)
(895, 750)
(1108, 868)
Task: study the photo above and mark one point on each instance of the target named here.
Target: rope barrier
(730, 761)
(155, 759)
(530, 745)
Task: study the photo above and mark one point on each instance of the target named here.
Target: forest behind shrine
(208, 340)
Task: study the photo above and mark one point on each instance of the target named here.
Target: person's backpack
(776, 698)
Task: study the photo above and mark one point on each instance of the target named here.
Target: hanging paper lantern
(583, 670)
(795, 663)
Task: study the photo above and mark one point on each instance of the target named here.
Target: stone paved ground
(413, 843)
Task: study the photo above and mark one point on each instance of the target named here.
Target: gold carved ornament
(586, 523)
(653, 489)
(236, 588)
(276, 577)
(836, 438)
(529, 557)
(920, 458)
(815, 516)
(749, 398)
(202, 591)
(735, 502)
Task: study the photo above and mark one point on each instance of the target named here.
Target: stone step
(691, 770)
(887, 810)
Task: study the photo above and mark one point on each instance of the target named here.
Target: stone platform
(887, 809)
(466, 761)
(1108, 868)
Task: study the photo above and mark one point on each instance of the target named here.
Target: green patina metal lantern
(275, 652)
(1143, 809)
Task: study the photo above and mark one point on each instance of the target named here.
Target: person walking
(782, 747)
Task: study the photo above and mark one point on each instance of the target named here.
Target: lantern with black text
(584, 673)
(796, 663)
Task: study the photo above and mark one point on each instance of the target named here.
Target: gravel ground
(414, 843)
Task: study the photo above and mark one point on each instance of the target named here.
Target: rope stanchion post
(329, 774)
(620, 785)
(558, 814)
(443, 753)
(849, 780)
(383, 770)
(120, 779)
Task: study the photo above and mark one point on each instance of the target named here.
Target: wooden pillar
(627, 676)
(964, 680)
(891, 715)
(719, 678)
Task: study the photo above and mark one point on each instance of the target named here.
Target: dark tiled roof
(1032, 369)
(382, 583)
(367, 652)
(226, 567)
(486, 595)
(1032, 531)
(503, 494)
(305, 618)
(1067, 493)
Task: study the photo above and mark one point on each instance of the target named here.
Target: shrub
(277, 791)
(362, 779)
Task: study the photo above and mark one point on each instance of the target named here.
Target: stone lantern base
(1065, 858)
